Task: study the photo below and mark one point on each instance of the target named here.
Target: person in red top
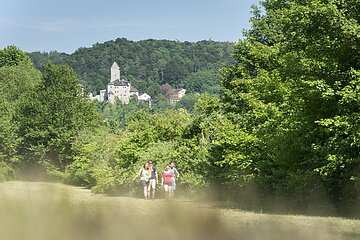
(167, 181)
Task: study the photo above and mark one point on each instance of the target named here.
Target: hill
(148, 63)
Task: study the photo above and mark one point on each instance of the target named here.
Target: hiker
(167, 181)
(153, 179)
(144, 179)
(176, 175)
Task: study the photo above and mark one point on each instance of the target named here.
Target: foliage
(205, 81)
(110, 161)
(90, 165)
(188, 102)
(54, 118)
(116, 115)
(6, 171)
(18, 80)
(294, 89)
(12, 56)
(148, 64)
(8, 137)
(146, 137)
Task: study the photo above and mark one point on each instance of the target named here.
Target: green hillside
(148, 64)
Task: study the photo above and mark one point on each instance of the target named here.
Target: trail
(77, 213)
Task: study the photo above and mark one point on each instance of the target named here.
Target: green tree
(11, 56)
(188, 102)
(18, 80)
(8, 138)
(90, 168)
(203, 81)
(146, 135)
(58, 112)
(294, 89)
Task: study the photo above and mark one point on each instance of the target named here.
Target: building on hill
(145, 98)
(117, 88)
(176, 94)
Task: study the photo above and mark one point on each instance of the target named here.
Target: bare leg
(153, 193)
(172, 194)
(152, 188)
(148, 191)
(166, 191)
(172, 190)
(145, 192)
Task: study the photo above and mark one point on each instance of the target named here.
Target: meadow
(39, 211)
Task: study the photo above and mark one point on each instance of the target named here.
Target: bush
(6, 172)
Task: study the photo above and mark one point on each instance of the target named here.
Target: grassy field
(39, 211)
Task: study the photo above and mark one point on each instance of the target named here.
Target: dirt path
(76, 213)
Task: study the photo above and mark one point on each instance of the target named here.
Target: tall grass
(42, 211)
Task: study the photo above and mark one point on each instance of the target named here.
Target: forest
(281, 133)
(147, 64)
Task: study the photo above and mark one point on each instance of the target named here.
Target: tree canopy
(294, 90)
(148, 63)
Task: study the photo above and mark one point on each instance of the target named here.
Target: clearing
(44, 211)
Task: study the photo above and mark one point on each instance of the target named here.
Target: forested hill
(148, 63)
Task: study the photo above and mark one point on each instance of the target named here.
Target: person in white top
(144, 179)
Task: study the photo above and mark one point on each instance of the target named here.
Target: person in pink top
(167, 181)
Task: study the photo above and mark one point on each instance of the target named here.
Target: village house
(176, 94)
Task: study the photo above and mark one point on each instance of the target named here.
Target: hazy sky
(66, 25)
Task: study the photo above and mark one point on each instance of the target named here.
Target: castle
(117, 89)
(120, 89)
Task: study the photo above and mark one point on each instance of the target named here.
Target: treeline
(283, 135)
(147, 64)
(41, 115)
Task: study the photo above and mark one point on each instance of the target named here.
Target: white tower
(115, 72)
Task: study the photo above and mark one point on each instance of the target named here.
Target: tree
(188, 102)
(203, 81)
(165, 89)
(11, 56)
(57, 114)
(294, 88)
(18, 80)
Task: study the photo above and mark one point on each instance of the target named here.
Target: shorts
(144, 183)
(169, 184)
(152, 183)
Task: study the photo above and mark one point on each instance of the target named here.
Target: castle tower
(115, 72)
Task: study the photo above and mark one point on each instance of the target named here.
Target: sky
(66, 25)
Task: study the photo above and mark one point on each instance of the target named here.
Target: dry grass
(39, 211)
